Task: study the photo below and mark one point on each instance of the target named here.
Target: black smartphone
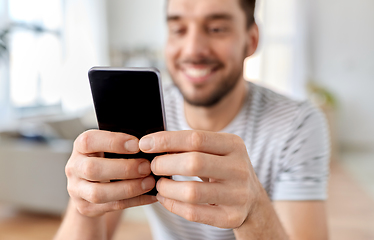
(128, 100)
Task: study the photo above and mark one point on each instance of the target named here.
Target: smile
(197, 72)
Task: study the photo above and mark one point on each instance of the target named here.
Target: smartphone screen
(129, 101)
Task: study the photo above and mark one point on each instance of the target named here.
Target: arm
(78, 226)
(297, 217)
(262, 223)
(112, 221)
(96, 202)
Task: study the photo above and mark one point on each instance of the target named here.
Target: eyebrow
(172, 18)
(215, 16)
(219, 16)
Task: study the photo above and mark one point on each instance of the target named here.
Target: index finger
(189, 140)
(94, 141)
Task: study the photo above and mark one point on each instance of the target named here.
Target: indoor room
(317, 51)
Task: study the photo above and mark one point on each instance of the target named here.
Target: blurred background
(320, 50)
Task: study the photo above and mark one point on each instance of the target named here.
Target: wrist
(77, 226)
(262, 222)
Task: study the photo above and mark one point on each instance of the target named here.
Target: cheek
(171, 52)
(230, 54)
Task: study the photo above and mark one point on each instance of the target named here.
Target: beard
(222, 88)
(217, 94)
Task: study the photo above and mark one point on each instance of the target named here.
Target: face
(207, 43)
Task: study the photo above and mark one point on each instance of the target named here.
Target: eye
(218, 30)
(176, 30)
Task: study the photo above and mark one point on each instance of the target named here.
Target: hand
(230, 188)
(89, 174)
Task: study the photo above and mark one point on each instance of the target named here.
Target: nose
(196, 44)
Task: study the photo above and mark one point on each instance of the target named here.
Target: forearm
(261, 223)
(76, 226)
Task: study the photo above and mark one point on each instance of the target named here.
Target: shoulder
(267, 100)
(267, 104)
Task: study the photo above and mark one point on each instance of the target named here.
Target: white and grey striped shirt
(287, 142)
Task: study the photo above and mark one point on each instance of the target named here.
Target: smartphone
(128, 100)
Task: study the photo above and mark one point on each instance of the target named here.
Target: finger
(183, 141)
(216, 216)
(114, 191)
(104, 169)
(199, 192)
(194, 164)
(92, 210)
(94, 141)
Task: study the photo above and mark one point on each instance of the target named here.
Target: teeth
(197, 73)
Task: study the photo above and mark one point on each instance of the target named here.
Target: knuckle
(131, 189)
(89, 170)
(191, 214)
(191, 193)
(197, 139)
(69, 170)
(82, 141)
(239, 143)
(111, 142)
(94, 195)
(71, 189)
(162, 142)
(234, 219)
(119, 205)
(83, 208)
(194, 164)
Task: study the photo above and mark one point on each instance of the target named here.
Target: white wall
(136, 23)
(343, 61)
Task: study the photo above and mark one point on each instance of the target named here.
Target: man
(251, 165)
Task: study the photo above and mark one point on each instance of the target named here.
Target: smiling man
(246, 162)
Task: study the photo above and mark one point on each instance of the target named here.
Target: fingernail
(147, 143)
(160, 198)
(144, 168)
(148, 183)
(132, 146)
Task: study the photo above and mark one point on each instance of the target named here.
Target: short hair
(248, 7)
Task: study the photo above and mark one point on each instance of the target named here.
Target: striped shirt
(287, 142)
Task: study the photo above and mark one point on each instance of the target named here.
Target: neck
(217, 117)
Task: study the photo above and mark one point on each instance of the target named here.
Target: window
(35, 49)
(279, 62)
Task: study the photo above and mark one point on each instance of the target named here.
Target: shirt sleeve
(304, 159)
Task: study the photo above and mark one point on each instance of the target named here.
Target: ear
(253, 38)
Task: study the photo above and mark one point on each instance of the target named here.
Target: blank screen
(128, 101)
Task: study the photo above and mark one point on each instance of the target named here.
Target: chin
(207, 93)
(203, 98)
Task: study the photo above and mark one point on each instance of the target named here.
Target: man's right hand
(89, 174)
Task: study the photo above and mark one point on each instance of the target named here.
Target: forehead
(204, 8)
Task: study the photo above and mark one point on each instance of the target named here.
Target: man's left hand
(230, 189)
